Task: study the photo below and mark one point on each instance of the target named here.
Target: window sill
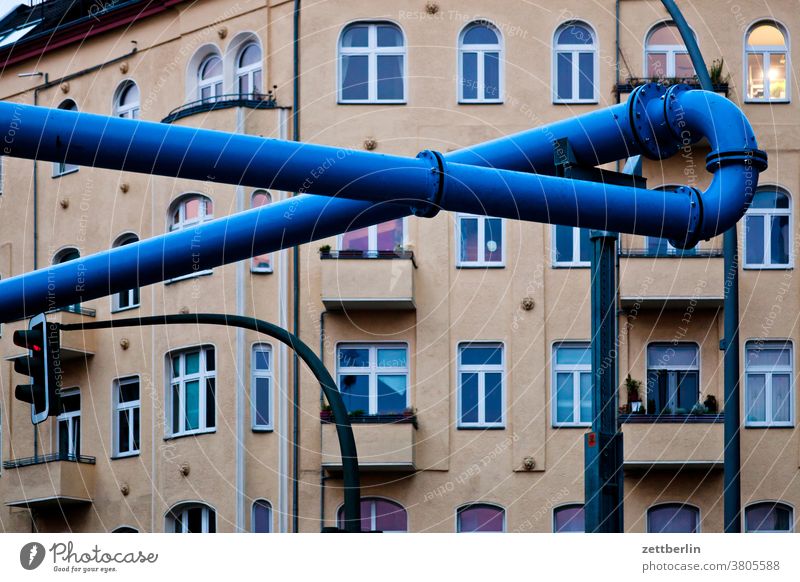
(767, 268)
(262, 429)
(767, 101)
(576, 102)
(482, 102)
(195, 433)
(769, 426)
(125, 456)
(189, 276)
(392, 102)
(480, 266)
(572, 265)
(481, 427)
(121, 309)
(261, 271)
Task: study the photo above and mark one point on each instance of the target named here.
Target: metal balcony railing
(50, 458)
(628, 253)
(249, 100)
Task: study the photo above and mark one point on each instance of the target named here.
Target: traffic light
(42, 364)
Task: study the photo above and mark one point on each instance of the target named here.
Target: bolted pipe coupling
(431, 206)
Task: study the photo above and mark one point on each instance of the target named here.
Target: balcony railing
(51, 458)
(693, 82)
(640, 418)
(630, 253)
(326, 417)
(249, 100)
(359, 254)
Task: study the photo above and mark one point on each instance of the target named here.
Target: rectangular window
(386, 237)
(571, 246)
(192, 392)
(480, 241)
(769, 390)
(661, 247)
(481, 402)
(373, 379)
(572, 384)
(69, 424)
(673, 378)
(127, 416)
(261, 387)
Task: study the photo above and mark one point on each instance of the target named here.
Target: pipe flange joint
(695, 218)
(652, 132)
(430, 207)
(675, 114)
(752, 157)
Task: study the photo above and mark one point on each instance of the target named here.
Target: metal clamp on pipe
(431, 207)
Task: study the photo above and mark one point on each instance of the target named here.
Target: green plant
(358, 412)
(633, 387)
(326, 408)
(325, 249)
(715, 72)
(698, 409)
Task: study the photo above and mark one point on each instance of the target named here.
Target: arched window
(62, 256)
(126, 100)
(575, 66)
(379, 514)
(480, 517)
(261, 263)
(665, 54)
(248, 70)
(673, 518)
(569, 518)
(209, 78)
(768, 517)
(61, 168)
(261, 384)
(261, 518)
(125, 529)
(191, 518)
(767, 62)
(372, 63)
(190, 210)
(767, 230)
(130, 298)
(480, 56)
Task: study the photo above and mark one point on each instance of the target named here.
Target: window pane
(756, 398)
(478, 355)
(586, 76)
(392, 357)
(656, 64)
(210, 402)
(569, 519)
(250, 55)
(176, 403)
(575, 34)
(656, 246)
(390, 235)
(355, 77)
(586, 397)
(564, 76)
(580, 355)
(70, 403)
(390, 76)
(261, 517)
(672, 519)
(493, 405)
(128, 392)
(755, 76)
(768, 517)
(356, 240)
(355, 391)
(754, 230)
(261, 359)
(469, 239)
(389, 36)
(564, 250)
(781, 397)
(770, 199)
(683, 65)
(391, 393)
(672, 356)
(779, 243)
(766, 35)
(565, 409)
(356, 36)
(244, 85)
(262, 401)
(195, 520)
(688, 390)
(353, 357)
(768, 355)
(480, 34)
(136, 422)
(493, 233)
(469, 398)
(469, 75)
(480, 519)
(192, 363)
(123, 426)
(665, 34)
(586, 245)
(777, 76)
(192, 405)
(491, 75)
(389, 516)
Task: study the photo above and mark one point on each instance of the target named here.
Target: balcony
(632, 82)
(50, 481)
(247, 100)
(671, 280)
(384, 443)
(359, 280)
(672, 442)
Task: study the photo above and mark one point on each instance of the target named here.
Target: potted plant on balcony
(325, 413)
(634, 398)
(325, 251)
(711, 404)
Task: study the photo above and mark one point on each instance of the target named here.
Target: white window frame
(183, 224)
(697, 510)
(373, 370)
(768, 371)
(269, 374)
(475, 504)
(202, 375)
(575, 50)
(576, 370)
(768, 213)
(671, 50)
(63, 168)
(773, 503)
(372, 51)
(130, 111)
(254, 269)
(69, 418)
(564, 506)
(121, 241)
(213, 83)
(249, 70)
(373, 515)
(481, 50)
(118, 407)
(481, 370)
(372, 238)
(253, 515)
(576, 249)
(671, 367)
(481, 262)
(183, 510)
(766, 52)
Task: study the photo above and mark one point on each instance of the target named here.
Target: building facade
(460, 343)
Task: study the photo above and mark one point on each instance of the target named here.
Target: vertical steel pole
(732, 482)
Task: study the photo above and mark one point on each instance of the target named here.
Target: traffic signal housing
(42, 364)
